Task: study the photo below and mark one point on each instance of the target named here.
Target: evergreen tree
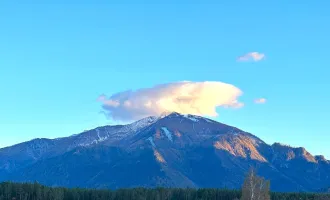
(35, 191)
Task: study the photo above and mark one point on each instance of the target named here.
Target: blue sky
(57, 58)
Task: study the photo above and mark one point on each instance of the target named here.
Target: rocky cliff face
(170, 150)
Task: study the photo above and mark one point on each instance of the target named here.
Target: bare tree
(255, 187)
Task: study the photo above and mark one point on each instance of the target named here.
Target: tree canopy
(35, 191)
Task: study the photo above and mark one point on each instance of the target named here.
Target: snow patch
(208, 120)
(151, 141)
(235, 132)
(141, 123)
(192, 118)
(100, 139)
(98, 134)
(167, 133)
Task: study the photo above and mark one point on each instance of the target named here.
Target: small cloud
(199, 98)
(260, 101)
(102, 98)
(237, 104)
(251, 56)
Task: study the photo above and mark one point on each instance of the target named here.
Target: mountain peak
(169, 113)
(289, 153)
(321, 158)
(194, 118)
(183, 144)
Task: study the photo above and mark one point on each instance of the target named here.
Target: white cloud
(102, 97)
(260, 101)
(200, 98)
(252, 56)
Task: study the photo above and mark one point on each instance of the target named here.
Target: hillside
(171, 150)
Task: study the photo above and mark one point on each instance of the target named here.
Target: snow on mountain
(151, 141)
(191, 117)
(167, 133)
(174, 149)
(135, 126)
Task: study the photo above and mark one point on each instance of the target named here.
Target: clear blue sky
(56, 58)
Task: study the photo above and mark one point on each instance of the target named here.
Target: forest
(35, 191)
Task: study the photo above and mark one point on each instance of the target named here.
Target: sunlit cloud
(260, 101)
(251, 56)
(199, 98)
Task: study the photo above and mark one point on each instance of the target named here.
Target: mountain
(171, 150)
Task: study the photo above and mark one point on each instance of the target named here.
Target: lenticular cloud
(199, 98)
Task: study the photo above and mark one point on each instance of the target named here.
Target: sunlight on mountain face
(159, 157)
(177, 133)
(239, 146)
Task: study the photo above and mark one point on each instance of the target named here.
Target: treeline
(35, 191)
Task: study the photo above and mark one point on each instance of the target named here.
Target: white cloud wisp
(251, 56)
(260, 101)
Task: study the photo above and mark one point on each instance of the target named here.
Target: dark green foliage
(35, 191)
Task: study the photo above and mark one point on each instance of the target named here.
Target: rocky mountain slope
(171, 150)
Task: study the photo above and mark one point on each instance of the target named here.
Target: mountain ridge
(168, 150)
